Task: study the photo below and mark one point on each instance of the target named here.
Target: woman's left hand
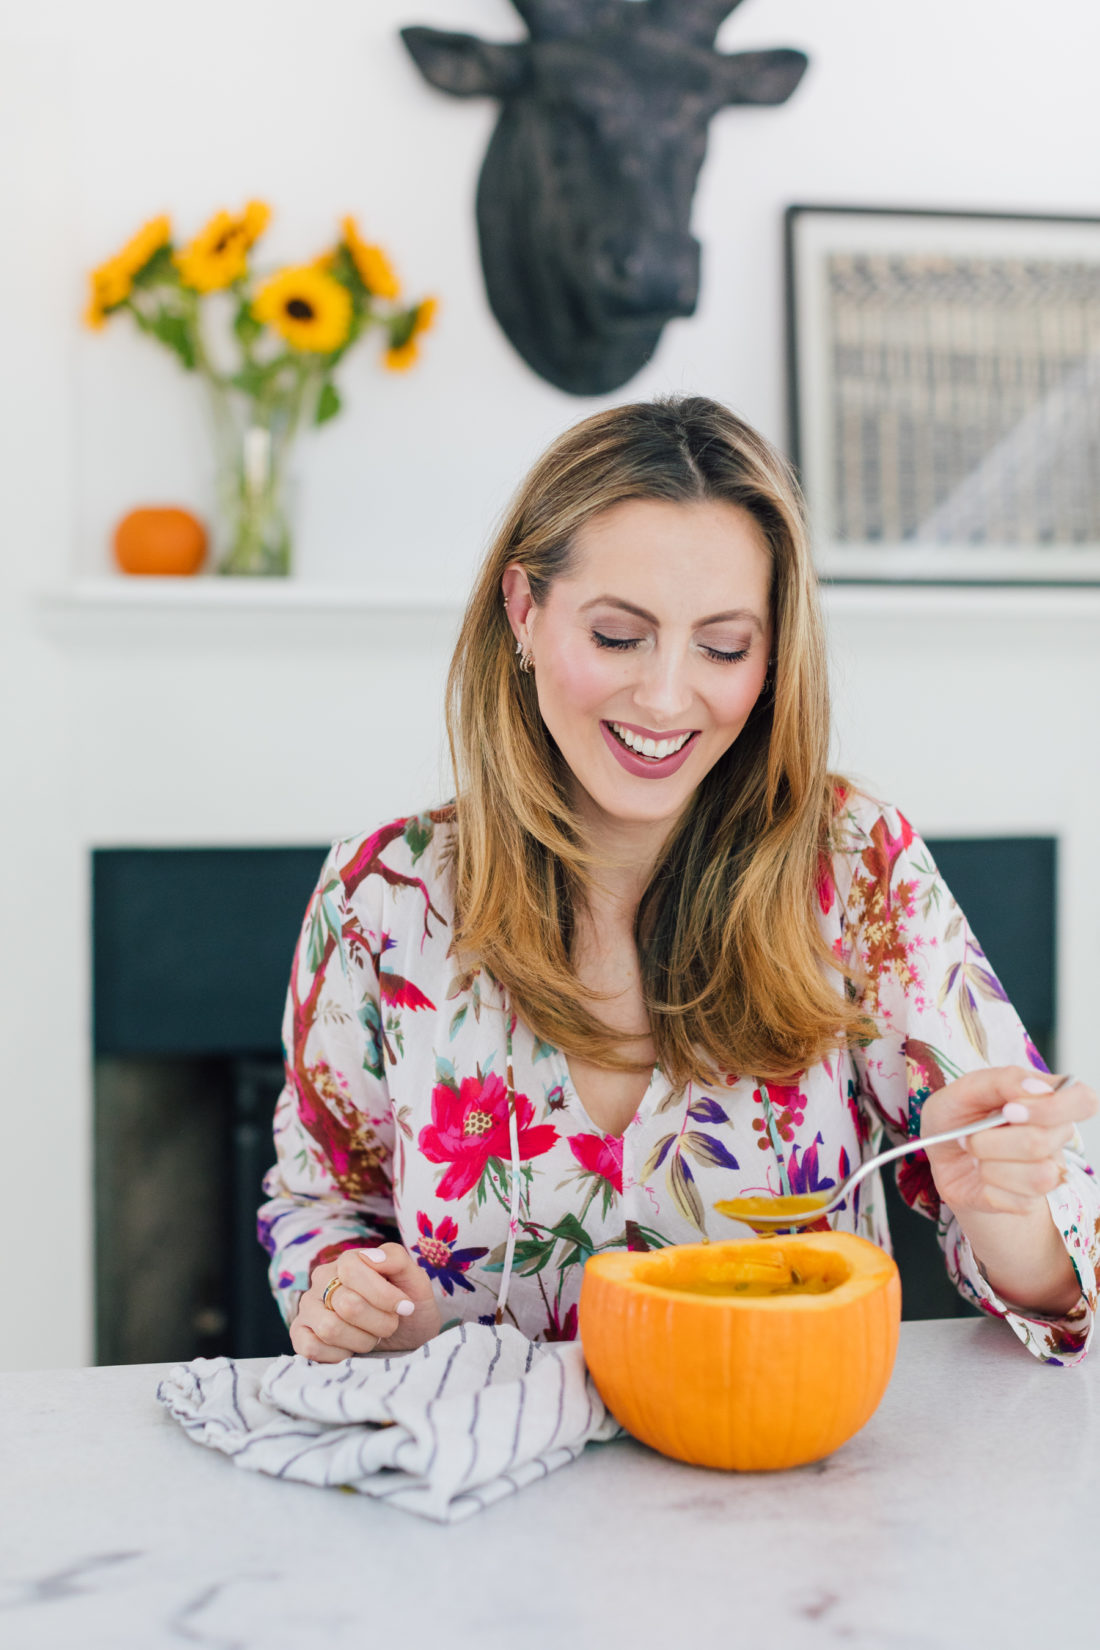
(1006, 1170)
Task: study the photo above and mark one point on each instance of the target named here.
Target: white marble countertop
(965, 1514)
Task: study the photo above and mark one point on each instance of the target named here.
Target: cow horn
(562, 19)
(696, 20)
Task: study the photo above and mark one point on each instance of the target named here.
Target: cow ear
(464, 65)
(761, 77)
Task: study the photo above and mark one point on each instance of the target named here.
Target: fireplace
(191, 957)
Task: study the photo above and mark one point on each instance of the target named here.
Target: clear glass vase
(255, 531)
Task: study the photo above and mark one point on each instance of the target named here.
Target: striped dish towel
(473, 1416)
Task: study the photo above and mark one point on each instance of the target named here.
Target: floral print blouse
(395, 1121)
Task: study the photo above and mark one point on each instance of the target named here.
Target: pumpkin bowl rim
(619, 1267)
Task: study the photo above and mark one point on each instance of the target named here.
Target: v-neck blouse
(394, 1120)
(569, 1087)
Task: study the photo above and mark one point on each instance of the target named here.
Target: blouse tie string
(513, 1139)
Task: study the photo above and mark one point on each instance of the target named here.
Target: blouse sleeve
(331, 1186)
(941, 1012)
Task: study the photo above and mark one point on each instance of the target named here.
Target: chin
(627, 810)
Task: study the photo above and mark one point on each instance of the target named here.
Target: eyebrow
(640, 612)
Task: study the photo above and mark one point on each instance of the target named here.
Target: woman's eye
(633, 641)
(614, 641)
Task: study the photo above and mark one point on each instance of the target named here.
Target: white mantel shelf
(238, 595)
(197, 616)
(118, 599)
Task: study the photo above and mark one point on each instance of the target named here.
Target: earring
(526, 662)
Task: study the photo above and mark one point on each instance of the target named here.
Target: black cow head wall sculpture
(584, 201)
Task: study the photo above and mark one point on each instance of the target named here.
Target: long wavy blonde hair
(736, 976)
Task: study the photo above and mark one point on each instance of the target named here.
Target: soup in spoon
(745, 1208)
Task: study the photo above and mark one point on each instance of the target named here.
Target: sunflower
(110, 286)
(309, 308)
(404, 351)
(371, 263)
(112, 282)
(218, 255)
(426, 311)
(254, 220)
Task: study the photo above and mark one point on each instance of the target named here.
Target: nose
(648, 273)
(663, 695)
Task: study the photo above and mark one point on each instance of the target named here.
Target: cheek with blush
(581, 683)
(735, 706)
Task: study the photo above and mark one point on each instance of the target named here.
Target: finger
(348, 1312)
(1002, 1202)
(393, 1262)
(1073, 1103)
(1022, 1143)
(1031, 1180)
(366, 1282)
(978, 1093)
(1076, 1101)
(333, 1331)
(305, 1342)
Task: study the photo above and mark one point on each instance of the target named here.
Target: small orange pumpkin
(753, 1354)
(160, 540)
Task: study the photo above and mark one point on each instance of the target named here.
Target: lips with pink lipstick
(645, 764)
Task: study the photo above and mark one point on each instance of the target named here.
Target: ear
(761, 77)
(695, 20)
(465, 66)
(515, 587)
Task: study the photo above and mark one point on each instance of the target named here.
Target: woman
(654, 955)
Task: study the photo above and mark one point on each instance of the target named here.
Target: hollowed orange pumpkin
(161, 540)
(753, 1354)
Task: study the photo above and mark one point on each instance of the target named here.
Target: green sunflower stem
(254, 435)
(305, 383)
(253, 507)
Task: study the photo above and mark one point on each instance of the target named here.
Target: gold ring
(329, 1290)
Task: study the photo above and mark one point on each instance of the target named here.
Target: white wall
(320, 110)
(135, 727)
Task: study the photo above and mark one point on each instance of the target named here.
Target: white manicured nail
(1014, 1112)
(403, 1308)
(375, 1254)
(1035, 1085)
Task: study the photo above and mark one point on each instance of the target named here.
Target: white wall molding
(87, 603)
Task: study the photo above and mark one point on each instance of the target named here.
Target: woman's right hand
(385, 1303)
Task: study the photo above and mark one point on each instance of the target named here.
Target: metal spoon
(917, 1144)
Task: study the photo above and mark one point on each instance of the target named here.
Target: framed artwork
(944, 383)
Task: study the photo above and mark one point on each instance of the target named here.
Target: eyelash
(632, 641)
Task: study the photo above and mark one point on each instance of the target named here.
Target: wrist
(1023, 1259)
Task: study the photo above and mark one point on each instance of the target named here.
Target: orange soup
(794, 1285)
(775, 1270)
(745, 1208)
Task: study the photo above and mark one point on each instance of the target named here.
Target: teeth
(656, 748)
